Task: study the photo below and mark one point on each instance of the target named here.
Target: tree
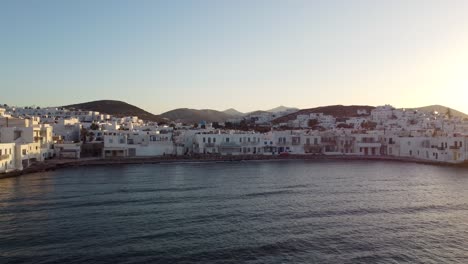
(369, 125)
(84, 135)
(262, 129)
(312, 123)
(243, 125)
(195, 125)
(216, 125)
(344, 125)
(94, 126)
(91, 135)
(228, 125)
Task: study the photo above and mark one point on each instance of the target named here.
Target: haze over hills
(116, 108)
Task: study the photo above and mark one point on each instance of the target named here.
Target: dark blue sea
(237, 212)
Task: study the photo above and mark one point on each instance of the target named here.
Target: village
(33, 135)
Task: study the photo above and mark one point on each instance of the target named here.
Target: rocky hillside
(116, 108)
(190, 116)
(338, 111)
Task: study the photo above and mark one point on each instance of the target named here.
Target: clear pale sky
(245, 54)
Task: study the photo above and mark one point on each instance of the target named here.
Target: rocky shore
(55, 164)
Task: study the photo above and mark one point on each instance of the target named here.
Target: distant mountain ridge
(190, 116)
(282, 108)
(116, 108)
(233, 112)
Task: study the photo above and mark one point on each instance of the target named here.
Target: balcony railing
(4, 156)
(368, 144)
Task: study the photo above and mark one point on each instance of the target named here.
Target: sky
(245, 54)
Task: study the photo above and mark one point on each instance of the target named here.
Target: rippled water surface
(239, 212)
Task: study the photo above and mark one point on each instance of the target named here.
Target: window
(227, 139)
(204, 140)
(111, 141)
(24, 152)
(214, 140)
(1, 152)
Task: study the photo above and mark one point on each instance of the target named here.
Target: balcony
(362, 144)
(455, 147)
(4, 156)
(229, 145)
(437, 147)
(210, 145)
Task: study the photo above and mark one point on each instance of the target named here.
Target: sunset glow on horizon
(246, 55)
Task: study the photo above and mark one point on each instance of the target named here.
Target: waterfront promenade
(54, 164)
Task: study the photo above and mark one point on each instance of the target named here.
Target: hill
(190, 116)
(281, 108)
(338, 111)
(441, 109)
(258, 112)
(233, 112)
(116, 108)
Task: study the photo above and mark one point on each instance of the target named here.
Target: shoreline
(55, 164)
